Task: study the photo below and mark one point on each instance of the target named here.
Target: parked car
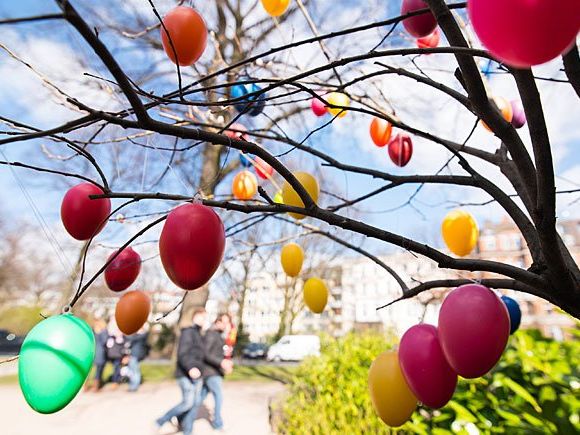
(9, 343)
(294, 348)
(255, 351)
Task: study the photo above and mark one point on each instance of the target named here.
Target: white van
(294, 348)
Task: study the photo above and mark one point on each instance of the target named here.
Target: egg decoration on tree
(246, 160)
(244, 185)
(401, 149)
(317, 107)
(278, 199)
(338, 99)
(504, 107)
(418, 25)
(518, 114)
(380, 131)
(123, 270)
(292, 257)
(427, 372)
(393, 400)
(315, 295)
(132, 311)
(430, 41)
(291, 197)
(83, 217)
(192, 245)
(250, 102)
(523, 33)
(275, 8)
(474, 327)
(514, 311)
(55, 360)
(460, 232)
(187, 35)
(263, 169)
(237, 131)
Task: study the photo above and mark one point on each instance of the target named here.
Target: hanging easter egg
(246, 160)
(474, 327)
(430, 41)
(380, 131)
(123, 270)
(519, 115)
(514, 312)
(401, 149)
(275, 8)
(188, 34)
(505, 107)
(120, 218)
(291, 197)
(82, 216)
(315, 295)
(292, 257)
(337, 99)
(392, 398)
(237, 131)
(192, 245)
(318, 107)
(245, 185)
(524, 33)
(278, 198)
(263, 169)
(132, 311)
(427, 372)
(418, 25)
(253, 105)
(460, 232)
(55, 360)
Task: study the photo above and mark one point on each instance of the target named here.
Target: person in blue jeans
(138, 351)
(215, 366)
(190, 353)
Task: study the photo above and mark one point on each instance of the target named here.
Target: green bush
(534, 389)
(21, 319)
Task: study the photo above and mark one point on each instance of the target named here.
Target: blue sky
(347, 139)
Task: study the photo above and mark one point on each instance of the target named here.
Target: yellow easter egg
(292, 257)
(337, 99)
(460, 232)
(290, 197)
(315, 295)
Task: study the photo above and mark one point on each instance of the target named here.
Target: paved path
(120, 413)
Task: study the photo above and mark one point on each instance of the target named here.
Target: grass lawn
(163, 372)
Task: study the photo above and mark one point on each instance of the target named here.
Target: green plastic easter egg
(55, 360)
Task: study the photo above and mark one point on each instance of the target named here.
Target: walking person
(190, 353)
(116, 350)
(215, 366)
(101, 336)
(138, 351)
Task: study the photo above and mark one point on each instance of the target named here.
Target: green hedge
(535, 389)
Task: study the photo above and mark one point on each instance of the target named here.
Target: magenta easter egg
(427, 372)
(474, 327)
(318, 107)
(401, 149)
(418, 25)
(523, 33)
(519, 116)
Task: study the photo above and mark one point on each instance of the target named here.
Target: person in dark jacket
(101, 337)
(138, 351)
(190, 351)
(215, 366)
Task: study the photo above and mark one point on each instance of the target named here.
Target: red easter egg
(429, 41)
(188, 34)
(427, 372)
(401, 149)
(123, 270)
(419, 25)
(192, 245)
(263, 169)
(523, 33)
(240, 132)
(474, 327)
(318, 107)
(132, 311)
(380, 131)
(82, 216)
